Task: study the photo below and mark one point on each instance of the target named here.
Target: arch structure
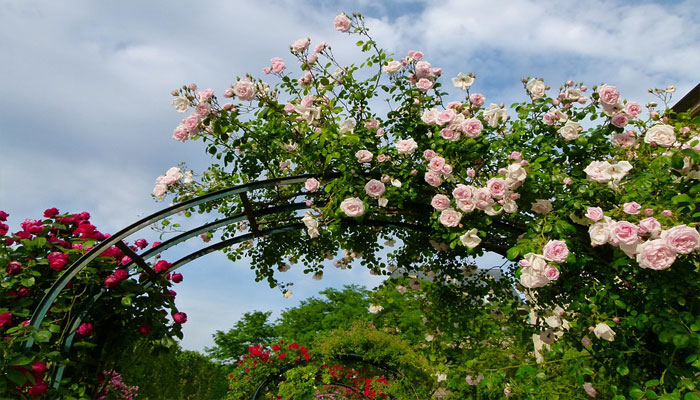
(139, 262)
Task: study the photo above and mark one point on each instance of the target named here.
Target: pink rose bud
(309, 203)
(515, 196)
(648, 211)
(385, 179)
(515, 156)
(567, 105)
(174, 92)
(227, 107)
(567, 181)
(616, 320)
(192, 86)
(582, 99)
(380, 132)
(562, 95)
(414, 172)
(666, 213)
(684, 130)
(524, 163)
(584, 88)
(471, 173)
(502, 171)
(654, 115)
(569, 83)
(524, 263)
(590, 328)
(555, 102)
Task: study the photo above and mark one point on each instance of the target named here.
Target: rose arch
(593, 198)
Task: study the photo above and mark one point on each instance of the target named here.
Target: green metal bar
(51, 295)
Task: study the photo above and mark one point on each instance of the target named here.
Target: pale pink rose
(450, 217)
(342, 23)
(515, 156)
(471, 172)
(449, 134)
(467, 205)
(598, 171)
(228, 93)
(446, 169)
(436, 164)
(477, 99)
(620, 120)
(594, 213)
(311, 184)
(416, 55)
(666, 213)
(623, 232)
(180, 133)
(542, 206)
(374, 188)
(462, 192)
(633, 109)
(599, 233)
(423, 69)
(363, 156)
(352, 207)
(430, 116)
(661, 134)
(406, 146)
(445, 117)
(372, 124)
(624, 139)
(440, 202)
(632, 207)
(320, 47)
(289, 107)
(648, 211)
(205, 95)
(437, 71)
(381, 158)
(159, 190)
(532, 278)
(191, 123)
(277, 65)
(608, 95)
(245, 90)
(590, 390)
(497, 187)
(567, 181)
(301, 44)
(482, 198)
(202, 110)
(555, 250)
(681, 239)
(655, 254)
(424, 84)
(429, 154)
(551, 272)
(380, 132)
(433, 179)
(472, 127)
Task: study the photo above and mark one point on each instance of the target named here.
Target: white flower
(288, 294)
(311, 225)
(441, 377)
(382, 201)
(374, 309)
(536, 88)
(309, 114)
(661, 134)
(570, 130)
(618, 170)
(463, 81)
(603, 331)
(407, 146)
(347, 127)
(181, 104)
(471, 238)
(598, 171)
(188, 177)
(429, 337)
(495, 114)
(542, 206)
(392, 67)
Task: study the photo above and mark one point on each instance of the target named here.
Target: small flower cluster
(172, 177)
(34, 375)
(115, 386)
(620, 115)
(183, 99)
(661, 246)
(454, 123)
(536, 269)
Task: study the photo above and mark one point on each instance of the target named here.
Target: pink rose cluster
(276, 67)
(539, 270)
(424, 75)
(651, 245)
(163, 182)
(467, 198)
(453, 122)
(191, 125)
(620, 114)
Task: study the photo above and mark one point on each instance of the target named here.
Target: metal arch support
(51, 295)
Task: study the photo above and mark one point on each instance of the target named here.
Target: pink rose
(311, 184)
(180, 133)
(497, 187)
(623, 232)
(205, 95)
(555, 250)
(177, 278)
(450, 217)
(440, 202)
(429, 116)
(191, 123)
(471, 172)
(381, 158)
(467, 205)
(372, 124)
(85, 329)
(352, 207)
(436, 164)
(666, 213)
(406, 146)
(608, 95)
(424, 69)
(180, 317)
(429, 154)
(462, 192)
(424, 84)
(300, 44)
(620, 120)
(477, 99)
(655, 254)
(5, 319)
(245, 89)
(363, 156)
(433, 179)
(590, 390)
(446, 169)
(633, 109)
(472, 127)
(374, 188)
(594, 213)
(681, 239)
(551, 272)
(277, 65)
(202, 110)
(445, 117)
(416, 55)
(342, 23)
(632, 207)
(320, 47)
(624, 139)
(449, 134)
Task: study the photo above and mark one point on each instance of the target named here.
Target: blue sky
(86, 120)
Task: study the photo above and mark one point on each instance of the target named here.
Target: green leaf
(21, 360)
(28, 282)
(691, 396)
(677, 161)
(16, 377)
(126, 301)
(620, 304)
(636, 393)
(623, 370)
(42, 336)
(512, 253)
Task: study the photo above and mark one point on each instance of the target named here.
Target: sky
(86, 120)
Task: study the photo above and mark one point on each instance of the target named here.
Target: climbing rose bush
(592, 197)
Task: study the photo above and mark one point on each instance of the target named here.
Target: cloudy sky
(86, 120)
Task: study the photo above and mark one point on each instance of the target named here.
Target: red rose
(180, 317)
(13, 267)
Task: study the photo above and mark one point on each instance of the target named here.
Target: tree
(250, 330)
